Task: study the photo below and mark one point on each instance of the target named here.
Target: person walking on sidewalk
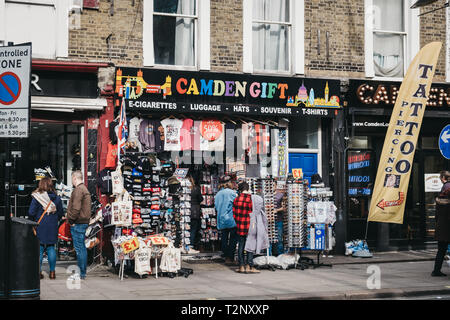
(257, 238)
(242, 207)
(46, 209)
(78, 215)
(223, 202)
(442, 223)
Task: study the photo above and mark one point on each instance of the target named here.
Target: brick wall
(344, 20)
(433, 28)
(226, 35)
(88, 43)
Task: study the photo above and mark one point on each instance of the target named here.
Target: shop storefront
(214, 124)
(64, 96)
(370, 104)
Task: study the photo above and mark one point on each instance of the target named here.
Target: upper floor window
(176, 33)
(392, 37)
(273, 36)
(44, 23)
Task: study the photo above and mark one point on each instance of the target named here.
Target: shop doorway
(306, 161)
(57, 146)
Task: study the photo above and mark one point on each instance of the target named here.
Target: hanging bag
(122, 210)
(170, 259)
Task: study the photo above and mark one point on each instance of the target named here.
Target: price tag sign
(159, 240)
(130, 245)
(297, 173)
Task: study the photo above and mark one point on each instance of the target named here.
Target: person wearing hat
(280, 209)
(223, 202)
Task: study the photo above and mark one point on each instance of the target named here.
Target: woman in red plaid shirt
(242, 207)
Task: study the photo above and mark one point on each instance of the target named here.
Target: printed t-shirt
(172, 130)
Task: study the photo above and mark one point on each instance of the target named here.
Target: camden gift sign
(394, 169)
(15, 70)
(177, 91)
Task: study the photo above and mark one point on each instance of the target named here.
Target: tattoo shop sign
(394, 169)
(149, 90)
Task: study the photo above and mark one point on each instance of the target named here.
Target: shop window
(359, 142)
(392, 37)
(273, 36)
(304, 134)
(42, 22)
(430, 142)
(176, 33)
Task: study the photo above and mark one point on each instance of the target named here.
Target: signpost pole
(6, 259)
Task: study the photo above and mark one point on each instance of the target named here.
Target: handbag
(42, 216)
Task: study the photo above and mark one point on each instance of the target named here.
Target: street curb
(356, 295)
(365, 295)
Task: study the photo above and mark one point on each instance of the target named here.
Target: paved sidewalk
(345, 280)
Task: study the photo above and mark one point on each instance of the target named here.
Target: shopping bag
(117, 181)
(142, 259)
(64, 232)
(122, 210)
(170, 259)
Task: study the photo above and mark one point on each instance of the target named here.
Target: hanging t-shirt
(159, 135)
(212, 135)
(195, 134)
(262, 139)
(111, 157)
(185, 134)
(172, 130)
(147, 135)
(133, 132)
(112, 131)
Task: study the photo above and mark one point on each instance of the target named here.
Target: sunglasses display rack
(209, 234)
(185, 211)
(266, 189)
(294, 221)
(268, 192)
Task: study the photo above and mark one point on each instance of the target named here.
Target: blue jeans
(243, 260)
(229, 242)
(51, 255)
(278, 247)
(78, 234)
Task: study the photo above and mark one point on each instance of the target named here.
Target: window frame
(296, 31)
(201, 35)
(62, 22)
(411, 38)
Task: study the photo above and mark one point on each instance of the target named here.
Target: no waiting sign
(15, 72)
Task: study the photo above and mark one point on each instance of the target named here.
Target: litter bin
(24, 281)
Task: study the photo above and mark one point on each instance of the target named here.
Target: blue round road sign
(444, 141)
(9, 88)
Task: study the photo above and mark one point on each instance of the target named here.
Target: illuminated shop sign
(360, 173)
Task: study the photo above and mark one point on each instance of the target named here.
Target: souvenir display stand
(308, 222)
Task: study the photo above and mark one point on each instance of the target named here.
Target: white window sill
(385, 79)
(172, 67)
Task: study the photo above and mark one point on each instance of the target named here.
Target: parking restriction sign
(15, 74)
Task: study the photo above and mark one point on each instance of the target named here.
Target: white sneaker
(192, 251)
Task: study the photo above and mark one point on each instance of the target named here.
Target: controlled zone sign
(444, 142)
(15, 74)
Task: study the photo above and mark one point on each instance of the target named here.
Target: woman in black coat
(442, 223)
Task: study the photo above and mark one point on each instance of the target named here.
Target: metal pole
(7, 219)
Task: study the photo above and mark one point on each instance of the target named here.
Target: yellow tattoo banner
(394, 169)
